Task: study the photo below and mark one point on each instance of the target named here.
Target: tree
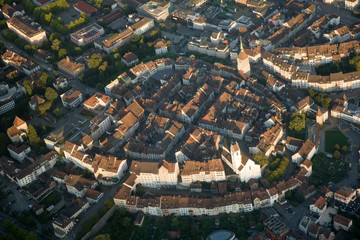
(259, 227)
(128, 9)
(44, 107)
(337, 146)
(4, 141)
(34, 139)
(62, 52)
(344, 149)
(94, 61)
(337, 154)
(297, 122)
(97, 3)
(261, 159)
(102, 211)
(94, 219)
(109, 204)
(54, 36)
(50, 94)
(55, 44)
(86, 226)
(162, 26)
(102, 237)
(126, 222)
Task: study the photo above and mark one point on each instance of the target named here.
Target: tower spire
(241, 45)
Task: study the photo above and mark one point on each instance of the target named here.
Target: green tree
(56, 44)
(128, 9)
(4, 141)
(94, 219)
(297, 122)
(337, 146)
(86, 226)
(34, 139)
(162, 26)
(261, 158)
(97, 3)
(50, 94)
(259, 227)
(102, 237)
(337, 154)
(28, 87)
(54, 36)
(94, 61)
(344, 149)
(109, 204)
(44, 107)
(62, 53)
(126, 222)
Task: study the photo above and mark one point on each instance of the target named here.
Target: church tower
(243, 60)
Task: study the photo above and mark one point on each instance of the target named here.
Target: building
(60, 83)
(77, 185)
(62, 226)
(84, 7)
(319, 206)
(29, 31)
(222, 234)
(243, 63)
(71, 98)
(351, 4)
(35, 101)
(155, 174)
(160, 47)
(276, 229)
(11, 11)
(19, 62)
(158, 10)
(41, 3)
(129, 59)
(34, 170)
(72, 68)
(17, 131)
(345, 195)
(341, 222)
(307, 151)
(194, 171)
(239, 162)
(7, 97)
(114, 41)
(97, 102)
(18, 152)
(93, 196)
(87, 34)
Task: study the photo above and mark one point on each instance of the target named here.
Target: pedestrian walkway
(346, 130)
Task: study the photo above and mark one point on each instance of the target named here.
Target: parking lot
(70, 15)
(352, 207)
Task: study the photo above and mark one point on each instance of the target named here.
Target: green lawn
(52, 199)
(334, 137)
(327, 170)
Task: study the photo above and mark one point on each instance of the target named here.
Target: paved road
(352, 157)
(108, 195)
(345, 15)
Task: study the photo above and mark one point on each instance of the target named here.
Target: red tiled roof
(84, 7)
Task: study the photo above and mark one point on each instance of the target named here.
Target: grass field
(334, 137)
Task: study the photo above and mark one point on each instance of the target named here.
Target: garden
(326, 169)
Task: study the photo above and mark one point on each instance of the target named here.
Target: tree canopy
(94, 61)
(50, 94)
(297, 122)
(261, 159)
